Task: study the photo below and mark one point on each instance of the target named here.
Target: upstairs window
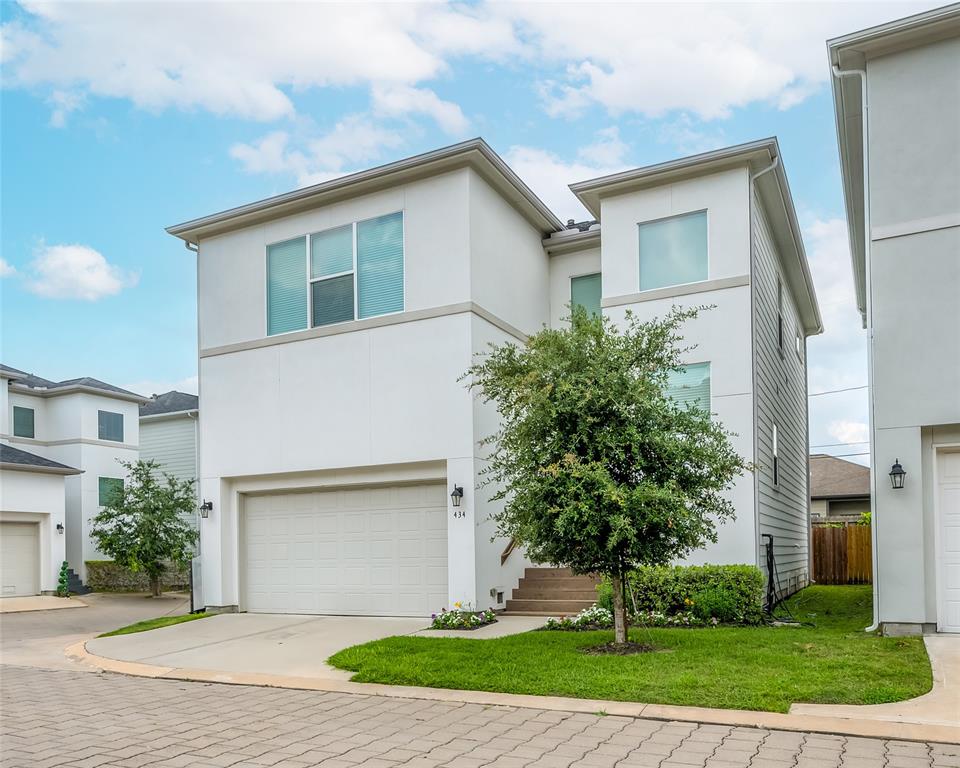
(776, 456)
(109, 490)
(585, 292)
(23, 422)
(691, 386)
(673, 251)
(780, 317)
(110, 426)
(345, 273)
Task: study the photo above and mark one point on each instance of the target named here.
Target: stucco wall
(34, 497)
(564, 267)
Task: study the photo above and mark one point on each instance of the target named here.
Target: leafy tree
(601, 471)
(143, 526)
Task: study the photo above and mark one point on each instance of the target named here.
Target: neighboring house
(839, 489)
(168, 433)
(83, 424)
(32, 515)
(335, 323)
(897, 100)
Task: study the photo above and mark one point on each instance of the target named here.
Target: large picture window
(673, 251)
(691, 385)
(345, 273)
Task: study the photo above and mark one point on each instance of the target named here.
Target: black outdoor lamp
(59, 527)
(897, 474)
(456, 495)
(205, 509)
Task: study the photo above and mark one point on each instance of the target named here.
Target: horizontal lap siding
(172, 444)
(781, 399)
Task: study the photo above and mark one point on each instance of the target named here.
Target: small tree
(599, 469)
(143, 527)
(63, 580)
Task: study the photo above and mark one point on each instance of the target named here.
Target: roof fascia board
(169, 415)
(899, 35)
(580, 241)
(474, 153)
(14, 467)
(73, 390)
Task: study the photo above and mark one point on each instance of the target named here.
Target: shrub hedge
(730, 593)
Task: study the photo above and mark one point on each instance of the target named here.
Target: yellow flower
(458, 604)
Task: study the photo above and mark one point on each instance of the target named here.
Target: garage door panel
(374, 551)
(19, 559)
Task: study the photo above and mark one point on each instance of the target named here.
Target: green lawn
(829, 660)
(163, 621)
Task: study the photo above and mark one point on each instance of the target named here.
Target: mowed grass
(828, 660)
(163, 621)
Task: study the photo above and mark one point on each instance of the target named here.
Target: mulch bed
(618, 649)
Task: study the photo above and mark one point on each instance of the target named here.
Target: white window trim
(775, 473)
(311, 280)
(636, 250)
(123, 426)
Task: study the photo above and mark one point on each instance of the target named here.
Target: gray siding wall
(781, 395)
(171, 443)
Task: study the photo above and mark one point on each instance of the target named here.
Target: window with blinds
(690, 386)
(585, 292)
(23, 425)
(673, 251)
(109, 490)
(110, 426)
(344, 273)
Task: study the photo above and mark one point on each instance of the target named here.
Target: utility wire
(835, 391)
(835, 445)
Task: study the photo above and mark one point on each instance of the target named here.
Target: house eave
(8, 466)
(72, 390)
(475, 153)
(579, 241)
(191, 412)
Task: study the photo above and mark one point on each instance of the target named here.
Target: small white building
(84, 424)
(897, 105)
(335, 323)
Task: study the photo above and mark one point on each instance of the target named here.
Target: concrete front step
(551, 573)
(547, 607)
(564, 583)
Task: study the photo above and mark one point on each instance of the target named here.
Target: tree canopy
(600, 470)
(144, 525)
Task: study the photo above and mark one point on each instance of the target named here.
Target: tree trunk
(155, 585)
(619, 610)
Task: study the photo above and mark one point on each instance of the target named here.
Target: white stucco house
(336, 320)
(84, 425)
(897, 102)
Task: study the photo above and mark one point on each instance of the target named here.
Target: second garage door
(370, 551)
(19, 559)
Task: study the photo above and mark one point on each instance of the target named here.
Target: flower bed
(597, 617)
(462, 618)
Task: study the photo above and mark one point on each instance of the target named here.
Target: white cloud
(149, 387)
(250, 60)
(689, 137)
(849, 432)
(6, 268)
(399, 100)
(75, 272)
(548, 175)
(63, 103)
(354, 141)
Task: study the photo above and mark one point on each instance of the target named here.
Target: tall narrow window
(673, 251)
(23, 425)
(110, 426)
(585, 292)
(332, 276)
(776, 456)
(287, 286)
(780, 316)
(380, 265)
(691, 386)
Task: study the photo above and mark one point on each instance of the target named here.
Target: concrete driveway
(37, 638)
(291, 646)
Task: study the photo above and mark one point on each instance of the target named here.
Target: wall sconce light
(59, 527)
(456, 495)
(897, 475)
(205, 509)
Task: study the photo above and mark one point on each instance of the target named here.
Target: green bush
(716, 603)
(674, 589)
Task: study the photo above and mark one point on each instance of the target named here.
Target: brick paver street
(84, 719)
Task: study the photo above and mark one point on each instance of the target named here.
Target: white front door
(19, 559)
(378, 551)
(948, 512)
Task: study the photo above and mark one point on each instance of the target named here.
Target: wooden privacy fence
(842, 555)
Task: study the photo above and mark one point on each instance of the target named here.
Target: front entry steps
(75, 585)
(552, 592)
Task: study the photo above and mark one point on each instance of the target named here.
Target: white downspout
(867, 276)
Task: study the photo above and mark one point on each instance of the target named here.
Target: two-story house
(897, 105)
(340, 456)
(84, 424)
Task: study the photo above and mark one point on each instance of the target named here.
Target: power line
(841, 455)
(835, 391)
(835, 445)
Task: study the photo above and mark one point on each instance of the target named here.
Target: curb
(841, 726)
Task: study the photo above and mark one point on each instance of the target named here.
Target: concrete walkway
(38, 603)
(272, 644)
(939, 707)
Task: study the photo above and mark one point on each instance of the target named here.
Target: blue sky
(120, 119)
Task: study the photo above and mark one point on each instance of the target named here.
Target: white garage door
(19, 559)
(948, 509)
(370, 551)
